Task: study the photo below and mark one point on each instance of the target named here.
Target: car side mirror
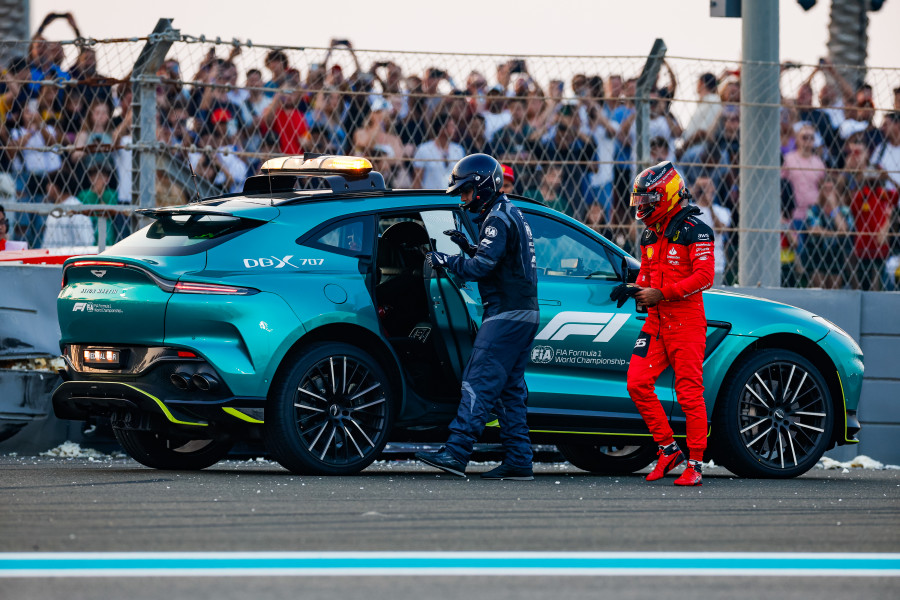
(628, 274)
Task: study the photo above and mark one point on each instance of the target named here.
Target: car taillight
(186, 287)
(96, 263)
(89, 263)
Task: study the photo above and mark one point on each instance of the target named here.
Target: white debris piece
(860, 462)
(72, 450)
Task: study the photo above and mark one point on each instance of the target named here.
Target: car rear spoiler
(157, 213)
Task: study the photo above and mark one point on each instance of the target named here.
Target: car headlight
(833, 327)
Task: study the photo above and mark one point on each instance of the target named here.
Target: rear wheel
(608, 460)
(330, 411)
(776, 418)
(171, 454)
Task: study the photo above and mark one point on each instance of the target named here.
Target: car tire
(330, 411)
(604, 459)
(776, 416)
(157, 451)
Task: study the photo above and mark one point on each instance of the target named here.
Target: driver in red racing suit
(677, 264)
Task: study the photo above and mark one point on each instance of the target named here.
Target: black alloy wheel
(777, 419)
(604, 459)
(331, 413)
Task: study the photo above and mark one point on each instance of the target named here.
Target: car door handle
(549, 302)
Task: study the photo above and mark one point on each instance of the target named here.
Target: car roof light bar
(348, 165)
(315, 172)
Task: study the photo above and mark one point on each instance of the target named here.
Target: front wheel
(158, 451)
(777, 416)
(330, 411)
(608, 460)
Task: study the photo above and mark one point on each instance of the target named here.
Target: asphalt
(115, 505)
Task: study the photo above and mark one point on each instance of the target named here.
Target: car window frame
(614, 254)
(420, 208)
(310, 238)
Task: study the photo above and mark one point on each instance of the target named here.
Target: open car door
(455, 305)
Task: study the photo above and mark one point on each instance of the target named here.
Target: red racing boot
(669, 457)
(693, 475)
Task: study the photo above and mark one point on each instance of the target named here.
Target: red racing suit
(677, 259)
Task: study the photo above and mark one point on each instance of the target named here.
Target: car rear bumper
(79, 400)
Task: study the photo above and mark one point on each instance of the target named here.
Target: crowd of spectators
(570, 144)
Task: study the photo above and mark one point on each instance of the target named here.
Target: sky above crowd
(574, 27)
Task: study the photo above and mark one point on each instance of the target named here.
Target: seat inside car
(399, 290)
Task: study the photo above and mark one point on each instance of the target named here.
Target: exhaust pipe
(180, 380)
(204, 381)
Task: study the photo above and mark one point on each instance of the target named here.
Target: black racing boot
(443, 460)
(509, 472)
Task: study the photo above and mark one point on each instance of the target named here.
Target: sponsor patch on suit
(641, 345)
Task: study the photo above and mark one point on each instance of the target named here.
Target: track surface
(78, 505)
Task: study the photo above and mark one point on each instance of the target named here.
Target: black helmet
(480, 172)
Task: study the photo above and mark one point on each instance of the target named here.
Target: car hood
(758, 317)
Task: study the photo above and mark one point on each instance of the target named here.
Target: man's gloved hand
(436, 259)
(622, 292)
(459, 238)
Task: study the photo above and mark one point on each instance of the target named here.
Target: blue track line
(221, 564)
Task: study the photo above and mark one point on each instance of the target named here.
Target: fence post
(645, 83)
(848, 39)
(143, 107)
(102, 225)
(759, 262)
(13, 27)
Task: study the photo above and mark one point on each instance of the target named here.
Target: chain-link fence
(83, 121)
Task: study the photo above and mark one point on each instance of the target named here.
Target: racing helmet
(480, 172)
(657, 191)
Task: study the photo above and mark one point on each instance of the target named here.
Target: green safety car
(300, 313)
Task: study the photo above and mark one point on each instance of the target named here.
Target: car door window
(439, 221)
(564, 252)
(349, 236)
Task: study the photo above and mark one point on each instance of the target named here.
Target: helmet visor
(458, 186)
(467, 186)
(645, 198)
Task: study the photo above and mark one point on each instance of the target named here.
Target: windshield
(183, 234)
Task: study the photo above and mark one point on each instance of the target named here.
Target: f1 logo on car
(79, 306)
(602, 325)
